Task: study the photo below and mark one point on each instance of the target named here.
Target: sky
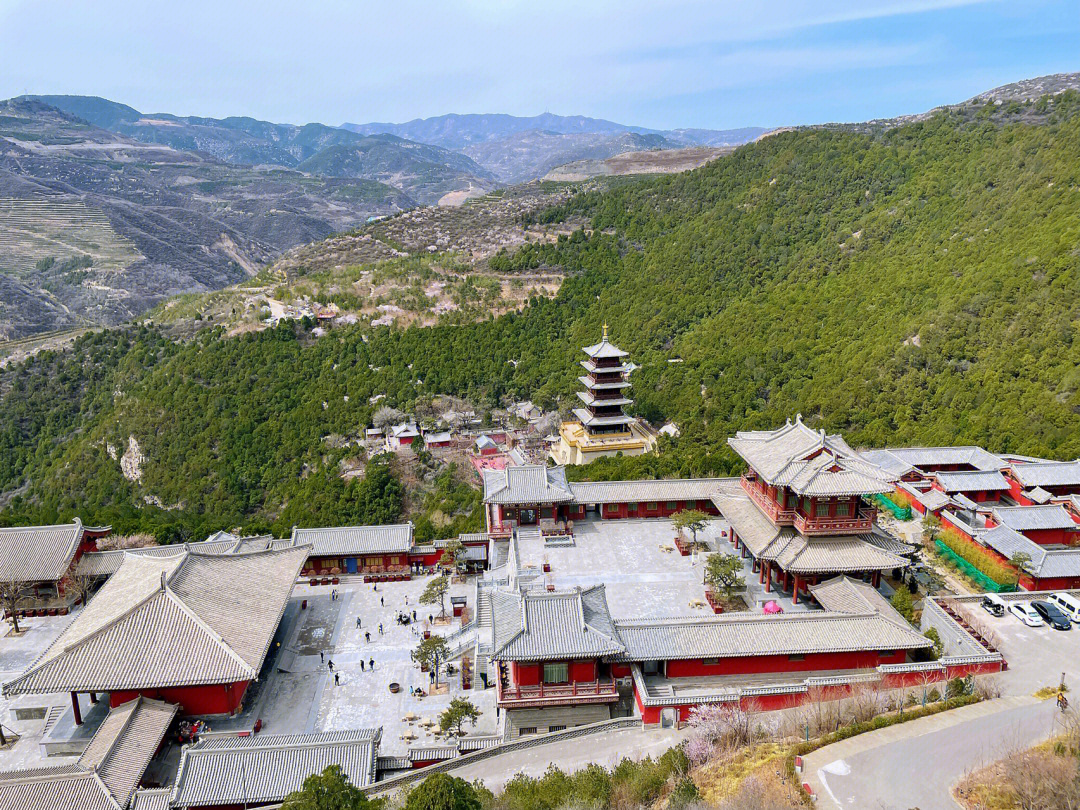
(662, 64)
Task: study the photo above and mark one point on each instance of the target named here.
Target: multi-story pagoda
(601, 427)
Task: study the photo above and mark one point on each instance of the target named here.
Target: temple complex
(601, 427)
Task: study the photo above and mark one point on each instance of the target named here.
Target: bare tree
(387, 416)
(866, 702)
(114, 542)
(11, 595)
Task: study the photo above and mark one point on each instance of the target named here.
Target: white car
(1025, 613)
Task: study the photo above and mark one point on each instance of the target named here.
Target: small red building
(40, 557)
(550, 651)
(1048, 567)
(486, 446)
(1048, 524)
(980, 486)
(1036, 482)
(436, 439)
(356, 549)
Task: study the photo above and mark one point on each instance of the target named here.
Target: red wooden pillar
(93, 697)
(75, 708)
(766, 570)
(795, 591)
(877, 579)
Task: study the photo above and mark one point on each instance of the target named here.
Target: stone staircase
(51, 717)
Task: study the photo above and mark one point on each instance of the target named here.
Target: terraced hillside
(97, 228)
(423, 266)
(37, 229)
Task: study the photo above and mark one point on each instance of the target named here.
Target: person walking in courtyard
(330, 664)
(382, 601)
(337, 679)
(371, 664)
(367, 636)
(361, 664)
(357, 622)
(322, 657)
(414, 615)
(380, 628)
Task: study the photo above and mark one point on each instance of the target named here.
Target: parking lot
(1037, 656)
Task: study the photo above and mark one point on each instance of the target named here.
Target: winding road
(916, 764)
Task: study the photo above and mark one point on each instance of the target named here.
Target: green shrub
(903, 604)
(988, 563)
(684, 794)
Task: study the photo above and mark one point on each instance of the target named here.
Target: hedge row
(984, 560)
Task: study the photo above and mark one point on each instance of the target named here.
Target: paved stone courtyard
(645, 575)
(17, 653)
(363, 698)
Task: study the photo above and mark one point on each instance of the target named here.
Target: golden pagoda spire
(605, 332)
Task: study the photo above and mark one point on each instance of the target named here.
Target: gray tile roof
(887, 542)
(736, 635)
(873, 551)
(1044, 563)
(106, 774)
(263, 768)
(845, 595)
(186, 619)
(567, 624)
(643, 491)
(604, 350)
(833, 553)
(900, 460)
(931, 499)
(105, 563)
(38, 553)
(529, 484)
(749, 522)
(975, 481)
(810, 462)
(346, 540)
(1034, 518)
(152, 799)
(1048, 474)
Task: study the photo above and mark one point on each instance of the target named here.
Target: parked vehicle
(1026, 613)
(1067, 604)
(993, 604)
(1051, 615)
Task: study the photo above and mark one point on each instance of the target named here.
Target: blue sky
(662, 64)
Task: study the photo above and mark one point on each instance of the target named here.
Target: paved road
(915, 765)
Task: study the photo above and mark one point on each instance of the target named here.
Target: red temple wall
(205, 699)
(860, 659)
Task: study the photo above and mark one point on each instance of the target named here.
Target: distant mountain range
(519, 148)
(425, 172)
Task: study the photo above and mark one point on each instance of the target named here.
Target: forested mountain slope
(914, 285)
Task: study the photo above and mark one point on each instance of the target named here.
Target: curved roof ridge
(739, 618)
(45, 658)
